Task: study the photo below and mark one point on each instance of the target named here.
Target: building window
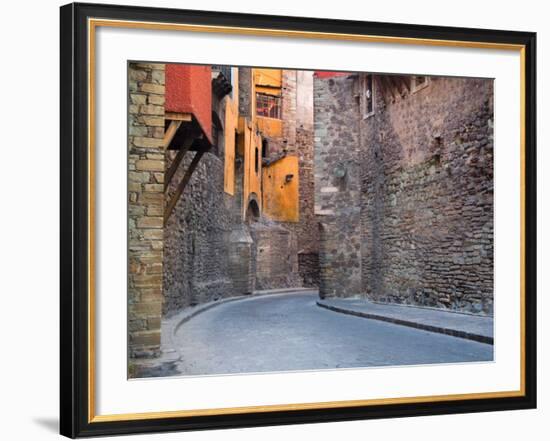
(367, 95)
(268, 106)
(419, 82)
(257, 161)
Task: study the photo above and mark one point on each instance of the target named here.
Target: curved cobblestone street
(290, 332)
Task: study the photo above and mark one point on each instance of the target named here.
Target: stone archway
(252, 210)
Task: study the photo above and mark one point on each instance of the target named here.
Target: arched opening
(252, 211)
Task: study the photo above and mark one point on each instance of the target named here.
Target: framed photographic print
(274, 220)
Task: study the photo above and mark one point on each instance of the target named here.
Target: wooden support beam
(171, 132)
(177, 160)
(174, 116)
(181, 186)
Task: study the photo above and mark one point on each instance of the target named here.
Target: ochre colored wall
(189, 90)
(230, 129)
(280, 198)
(268, 77)
(251, 144)
(270, 127)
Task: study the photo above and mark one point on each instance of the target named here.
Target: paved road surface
(290, 332)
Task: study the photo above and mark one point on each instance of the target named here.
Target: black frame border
(74, 219)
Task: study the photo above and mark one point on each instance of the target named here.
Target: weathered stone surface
(157, 76)
(155, 99)
(148, 142)
(155, 188)
(337, 168)
(150, 222)
(150, 109)
(153, 121)
(425, 196)
(274, 245)
(196, 237)
(145, 227)
(150, 165)
(136, 98)
(152, 88)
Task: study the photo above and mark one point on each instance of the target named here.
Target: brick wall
(427, 206)
(145, 207)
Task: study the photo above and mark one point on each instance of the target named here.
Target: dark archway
(252, 210)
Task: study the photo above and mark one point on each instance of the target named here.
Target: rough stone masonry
(404, 195)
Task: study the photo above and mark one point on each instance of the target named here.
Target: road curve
(289, 331)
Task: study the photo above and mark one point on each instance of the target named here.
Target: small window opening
(268, 106)
(367, 95)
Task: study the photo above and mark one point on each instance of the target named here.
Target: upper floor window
(367, 95)
(268, 105)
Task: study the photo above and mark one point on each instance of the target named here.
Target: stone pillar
(241, 260)
(146, 168)
(337, 186)
(288, 110)
(245, 90)
(307, 229)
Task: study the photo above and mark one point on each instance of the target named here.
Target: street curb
(206, 306)
(440, 330)
(281, 291)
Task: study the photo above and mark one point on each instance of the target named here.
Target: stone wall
(275, 257)
(427, 204)
(146, 167)
(337, 186)
(245, 91)
(196, 237)
(307, 229)
(404, 197)
(288, 111)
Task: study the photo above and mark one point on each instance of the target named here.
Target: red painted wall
(329, 74)
(189, 90)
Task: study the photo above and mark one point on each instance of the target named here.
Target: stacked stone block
(145, 207)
